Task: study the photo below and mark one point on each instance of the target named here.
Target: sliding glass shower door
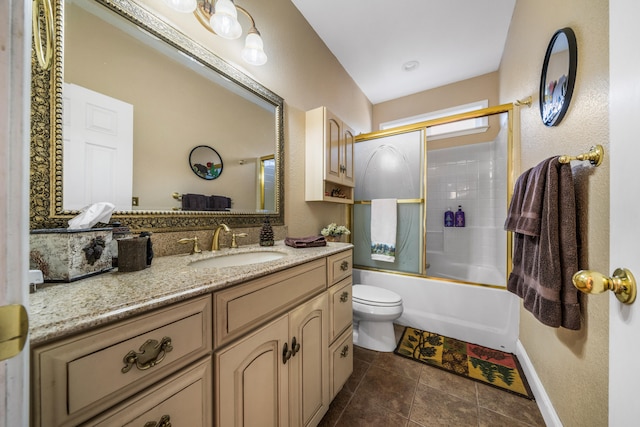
(391, 167)
(428, 176)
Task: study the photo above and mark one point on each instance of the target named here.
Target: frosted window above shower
(449, 130)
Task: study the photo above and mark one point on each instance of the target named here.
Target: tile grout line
(354, 391)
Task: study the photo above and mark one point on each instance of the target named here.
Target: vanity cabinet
(270, 351)
(329, 152)
(80, 377)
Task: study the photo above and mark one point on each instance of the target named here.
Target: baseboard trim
(542, 399)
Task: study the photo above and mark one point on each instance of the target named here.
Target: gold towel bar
(526, 101)
(368, 202)
(595, 156)
(176, 196)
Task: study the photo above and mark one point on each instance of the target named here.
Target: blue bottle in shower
(459, 217)
(448, 218)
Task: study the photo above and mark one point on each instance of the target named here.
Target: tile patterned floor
(387, 390)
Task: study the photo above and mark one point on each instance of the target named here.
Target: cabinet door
(349, 140)
(333, 141)
(309, 364)
(252, 382)
(340, 361)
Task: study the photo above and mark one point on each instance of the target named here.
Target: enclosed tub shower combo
(445, 279)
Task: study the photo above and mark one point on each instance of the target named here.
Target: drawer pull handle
(286, 353)
(151, 353)
(295, 346)
(165, 421)
(344, 266)
(344, 297)
(345, 351)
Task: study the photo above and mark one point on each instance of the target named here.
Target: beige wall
(570, 364)
(451, 95)
(440, 98)
(301, 70)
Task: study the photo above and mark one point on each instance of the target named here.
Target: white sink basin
(234, 260)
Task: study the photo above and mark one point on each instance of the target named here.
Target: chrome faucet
(215, 244)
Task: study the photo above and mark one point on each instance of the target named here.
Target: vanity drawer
(339, 266)
(76, 378)
(242, 308)
(340, 362)
(183, 399)
(340, 308)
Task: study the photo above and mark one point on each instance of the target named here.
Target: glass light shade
(224, 21)
(183, 6)
(253, 51)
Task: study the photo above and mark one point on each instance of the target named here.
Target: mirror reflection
(558, 77)
(175, 103)
(205, 162)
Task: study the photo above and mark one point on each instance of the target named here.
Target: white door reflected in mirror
(98, 149)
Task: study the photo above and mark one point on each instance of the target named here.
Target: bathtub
(476, 314)
(439, 266)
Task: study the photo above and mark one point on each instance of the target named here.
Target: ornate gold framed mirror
(156, 148)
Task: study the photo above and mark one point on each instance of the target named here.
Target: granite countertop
(58, 310)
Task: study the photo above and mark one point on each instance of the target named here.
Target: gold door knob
(623, 284)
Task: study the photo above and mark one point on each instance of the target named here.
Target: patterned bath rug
(486, 365)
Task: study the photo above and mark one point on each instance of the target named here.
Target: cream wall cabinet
(329, 151)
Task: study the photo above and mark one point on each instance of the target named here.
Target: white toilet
(374, 310)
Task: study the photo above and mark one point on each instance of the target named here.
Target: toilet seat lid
(373, 295)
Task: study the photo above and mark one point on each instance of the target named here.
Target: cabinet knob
(286, 353)
(344, 266)
(295, 346)
(345, 351)
(165, 421)
(151, 353)
(344, 297)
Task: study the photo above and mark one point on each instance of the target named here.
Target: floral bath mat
(486, 365)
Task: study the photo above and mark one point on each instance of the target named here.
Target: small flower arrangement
(333, 230)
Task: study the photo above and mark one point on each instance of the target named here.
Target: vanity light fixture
(221, 18)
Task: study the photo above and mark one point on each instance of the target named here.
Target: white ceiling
(452, 40)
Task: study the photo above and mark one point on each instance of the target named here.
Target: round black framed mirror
(205, 162)
(558, 76)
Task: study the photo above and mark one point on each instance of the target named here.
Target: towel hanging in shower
(384, 220)
(542, 216)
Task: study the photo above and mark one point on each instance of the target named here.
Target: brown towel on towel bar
(544, 263)
(305, 242)
(194, 202)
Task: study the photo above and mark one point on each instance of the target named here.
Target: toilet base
(378, 336)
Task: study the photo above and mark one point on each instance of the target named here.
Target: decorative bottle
(460, 217)
(266, 233)
(448, 218)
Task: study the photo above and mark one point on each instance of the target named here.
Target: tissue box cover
(66, 255)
